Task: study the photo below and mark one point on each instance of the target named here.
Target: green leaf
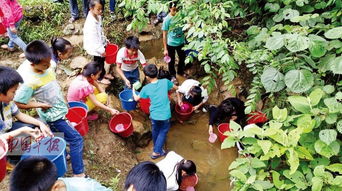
(207, 68)
(252, 30)
(279, 114)
(339, 126)
(327, 136)
(300, 103)
(317, 184)
(265, 185)
(228, 143)
(296, 177)
(334, 33)
(251, 179)
(272, 80)
(234, 126)
(272, 7)
(265, 145)
(257, 163)
(329, 89)
(337, 167)
(275, 176)
(315, 96)
(318, 49)
(275, 42)
(278, 17)
(299, 81)
(327, 150)
(293, 160)
(294, 136)
(290, 13)
(306, 123)
(303, 153)
(336, 65)
(333, 105)
(239, 175)
(296, 42)
(331, 118)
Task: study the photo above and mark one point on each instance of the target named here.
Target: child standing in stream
(160, 111)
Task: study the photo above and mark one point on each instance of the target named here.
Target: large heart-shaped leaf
(299, 81)
(336, 65)
(327, 150)
(272, 7)
(334, 33)
(296, 42)
(290, 13)
(272, 80)
(275, 42)
(315, 96)
(279, 114)
(300, 103)
(328, 136)
(317, 184)
(318, 48)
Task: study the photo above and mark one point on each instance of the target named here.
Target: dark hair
(164, 74)
(151, 71)
(33, 174)
(173, 4)
(196, 90)
(187, 166)
(36, 51)
(92, 3)
(227, 107)
(8, 79)
(146, 176)
(132, 42)
(59, 45)
(91, 68)
(233, 106)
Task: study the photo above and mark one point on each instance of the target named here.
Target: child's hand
(103, 54)
(166, 53)
(114, 111)
(35, 133)
(180, 103)
(13, 30)
(128, 83)
(45, 130)
(210, 129)
(195, 107)
(44, 106)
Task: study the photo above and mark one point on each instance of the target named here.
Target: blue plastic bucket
(52, 149)
(127, 100)
(78, 104)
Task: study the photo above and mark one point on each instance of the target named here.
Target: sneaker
(72, 19)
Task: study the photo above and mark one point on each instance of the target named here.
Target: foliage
(292, 47)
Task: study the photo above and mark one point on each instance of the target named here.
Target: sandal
(158, 156)
(5, 46)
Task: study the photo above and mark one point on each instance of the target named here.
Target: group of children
(40, 83)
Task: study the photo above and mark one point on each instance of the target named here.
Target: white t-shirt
(129, 63)
(94, 40)
(167, 166)
(186, 87)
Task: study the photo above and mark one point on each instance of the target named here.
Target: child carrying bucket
(127, 61)
(160, 111)
(192, 92)
(85, 88)
(41, 84)
(94, 40)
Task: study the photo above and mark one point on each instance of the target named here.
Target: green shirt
(160, 103)
(175, 35)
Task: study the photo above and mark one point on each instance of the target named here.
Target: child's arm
(135, 96)
(179, 99)
(122, 75)
(98, 87)
(35, 133)
(92, 97)
(32, 104)
(165, 43)
(30, 120)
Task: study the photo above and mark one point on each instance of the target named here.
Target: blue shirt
(160, 103)
(81, 184)
(175, 35)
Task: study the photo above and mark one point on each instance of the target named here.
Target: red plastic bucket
(145, 105)
(124, 120)
(256, 117)
(222, 128)
(111, 51)
(2, 29)
(184, 115)
(3, 151)
(78, 116)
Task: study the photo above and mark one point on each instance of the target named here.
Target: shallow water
(152, 48)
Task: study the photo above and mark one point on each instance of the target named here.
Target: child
(173, 40)
(192, 92)
(9, 83)
(61, 49)
(180, 173)
(86, 89)
(94, 41)
(41, 84)
(127, 61)
(12, 16)
(160, 112)
(145, 176)
(38, 173)
(229, 109)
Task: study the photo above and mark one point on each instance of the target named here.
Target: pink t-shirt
(12, 12)
(79, 89)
